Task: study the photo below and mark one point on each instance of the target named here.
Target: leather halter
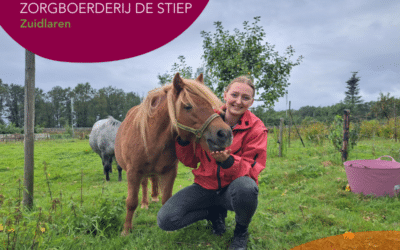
(198, 132)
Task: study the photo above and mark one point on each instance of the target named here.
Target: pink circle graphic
(100, 31)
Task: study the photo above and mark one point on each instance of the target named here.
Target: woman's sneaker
(240, 238)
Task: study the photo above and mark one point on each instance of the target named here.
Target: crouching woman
(224, 180)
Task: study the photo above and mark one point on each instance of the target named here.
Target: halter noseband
(198, 132)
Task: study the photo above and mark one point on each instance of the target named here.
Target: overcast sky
(335, 38)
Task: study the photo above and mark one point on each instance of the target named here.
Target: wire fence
(49, 134)
(20, 137)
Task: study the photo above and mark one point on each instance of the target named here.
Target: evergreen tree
(352, 98)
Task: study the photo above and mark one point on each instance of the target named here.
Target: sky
(335, 38)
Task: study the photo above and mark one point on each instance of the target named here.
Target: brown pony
(145, 142)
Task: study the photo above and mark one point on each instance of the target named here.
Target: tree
(109, 101)
(15, 104)
(352, 98)
(115, 99)
(384, 107)
(83, 95)
(131, 99)
(184, 70)
(59, 99)
(99, 102)
(42, 111)
(228, 56)
(3, 96)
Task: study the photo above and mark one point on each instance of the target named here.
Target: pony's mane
(150, 104)
(112, 121)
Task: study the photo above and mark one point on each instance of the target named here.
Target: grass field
(302, 198)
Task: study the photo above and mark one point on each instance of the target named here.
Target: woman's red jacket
(248, 155)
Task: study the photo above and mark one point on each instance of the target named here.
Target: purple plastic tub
(377, 177)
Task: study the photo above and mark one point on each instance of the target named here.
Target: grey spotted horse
(102, 141)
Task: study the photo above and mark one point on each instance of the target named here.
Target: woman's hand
(221, 156)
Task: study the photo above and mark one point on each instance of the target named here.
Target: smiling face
(239, 97)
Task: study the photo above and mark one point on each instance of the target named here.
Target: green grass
(302, 198)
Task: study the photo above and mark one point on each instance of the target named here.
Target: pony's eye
(188, 107)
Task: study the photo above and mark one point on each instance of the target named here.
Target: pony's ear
(200, 78)
(178, 83)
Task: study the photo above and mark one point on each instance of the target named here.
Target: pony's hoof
(155, 199)
(144, 206)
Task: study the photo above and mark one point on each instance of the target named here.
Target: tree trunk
(29, 128)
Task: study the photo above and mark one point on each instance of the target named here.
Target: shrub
(368, 129)
(336, 134)
(68, 130)
(315, 132)
(10, 129)
(103, 220)
(387, 130)
(38, 129)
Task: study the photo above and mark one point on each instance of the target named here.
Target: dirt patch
(362, 240)
(327, 163)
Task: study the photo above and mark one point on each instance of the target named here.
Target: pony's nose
(224, 135)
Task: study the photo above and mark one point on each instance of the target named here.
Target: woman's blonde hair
(242, 79)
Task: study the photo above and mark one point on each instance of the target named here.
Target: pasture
(302, 198)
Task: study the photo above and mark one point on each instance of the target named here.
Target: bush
(39, 129)
(104, 219)
(368, 129)
(336, 134)
(10, 129)
(315, 132)
(68, 130)
(387, 130)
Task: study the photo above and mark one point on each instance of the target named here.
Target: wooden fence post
(346, 125)
(29, 121)
(280, 137)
